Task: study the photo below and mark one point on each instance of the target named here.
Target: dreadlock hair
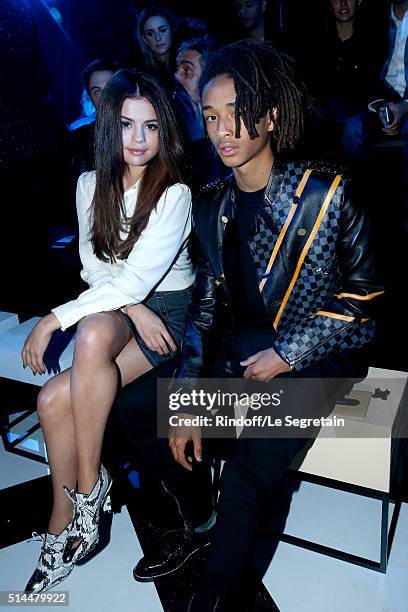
(264, 80)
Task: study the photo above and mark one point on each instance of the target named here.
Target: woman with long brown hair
(134, 216)
(155, 39)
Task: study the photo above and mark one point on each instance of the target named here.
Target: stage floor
(298, 580)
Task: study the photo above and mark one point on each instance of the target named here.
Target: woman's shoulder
(87, 179)
(85, 191)
(86, 184)
(179, 189)
(178, 192)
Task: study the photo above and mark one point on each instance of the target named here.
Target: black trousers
(252, 476)
(254, 466)
(134, 411)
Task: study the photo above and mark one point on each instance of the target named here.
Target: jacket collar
(272, 186)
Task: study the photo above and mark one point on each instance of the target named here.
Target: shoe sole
(152, 578)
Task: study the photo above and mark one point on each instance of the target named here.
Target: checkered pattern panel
(284, 200)
(303, 345)
(324, 243)
(263, 242)
(319, 276)
(261, 245)
(311, 291)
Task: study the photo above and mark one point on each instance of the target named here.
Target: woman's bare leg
(132, 362)
(94, 382)
(56, 417)
(57, 423)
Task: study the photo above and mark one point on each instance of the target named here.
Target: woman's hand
(37, 341)
(264, 366)
(151, 329)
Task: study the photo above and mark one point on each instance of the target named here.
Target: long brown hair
(151, 62)
(168, 167)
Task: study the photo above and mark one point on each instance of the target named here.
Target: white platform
(8, 320)
(12, 337)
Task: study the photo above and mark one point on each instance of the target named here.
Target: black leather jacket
(314, 261)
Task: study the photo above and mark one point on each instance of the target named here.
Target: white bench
(21, 434)
(358, 457)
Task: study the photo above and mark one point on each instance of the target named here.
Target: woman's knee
(95, 335)
(52, 402)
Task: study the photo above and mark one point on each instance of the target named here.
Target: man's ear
(273, 115)
(264, 5)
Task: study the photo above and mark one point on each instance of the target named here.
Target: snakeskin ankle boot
(51, 569)
(84, 534)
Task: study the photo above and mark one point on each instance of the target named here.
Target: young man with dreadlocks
(285, 255)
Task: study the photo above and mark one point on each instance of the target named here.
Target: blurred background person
(155, 32)
(259, 20)
(394, 76)
(159, 35)
(191, 60)
(251, 17)
(343, 72)
(95, 77)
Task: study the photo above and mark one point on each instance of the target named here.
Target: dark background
(104, 28)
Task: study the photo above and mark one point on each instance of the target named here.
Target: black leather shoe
(174, 549)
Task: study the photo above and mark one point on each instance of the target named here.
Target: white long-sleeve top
(152, 263)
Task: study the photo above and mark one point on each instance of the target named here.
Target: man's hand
(37, 341)
(398, 111)
(179, 436)
(264, 366)
(151, 328)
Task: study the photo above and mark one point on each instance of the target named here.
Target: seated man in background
(389, 104)
(251, 17)
(81, 139)
(395, 77)
(191, 60)
(259, 20)
(342, 71)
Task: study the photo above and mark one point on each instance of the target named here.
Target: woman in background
(155, 33)
(159, 35)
